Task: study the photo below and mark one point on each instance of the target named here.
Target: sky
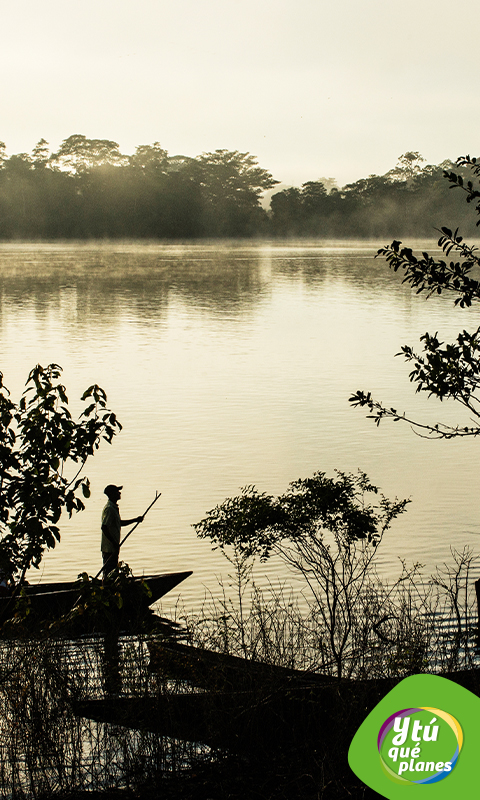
(312, 88)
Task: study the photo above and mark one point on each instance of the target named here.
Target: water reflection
(231, 364)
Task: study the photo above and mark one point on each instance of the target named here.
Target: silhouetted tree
(41, 154)
(43, 452)
(231, 184)
(286, 212)
(408, 167)
(150, 158)
(78, 154)
(88, 188)
(444, 371)
(325, 529)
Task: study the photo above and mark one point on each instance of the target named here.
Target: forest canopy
(89, 189)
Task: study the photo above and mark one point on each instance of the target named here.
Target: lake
(231, 364)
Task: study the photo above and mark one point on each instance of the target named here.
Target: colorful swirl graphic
(388, 725)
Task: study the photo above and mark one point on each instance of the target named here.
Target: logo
(425, 732)
(419, 745)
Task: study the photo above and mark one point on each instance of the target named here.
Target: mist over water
(231, 364)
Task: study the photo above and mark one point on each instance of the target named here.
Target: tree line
(89, 189)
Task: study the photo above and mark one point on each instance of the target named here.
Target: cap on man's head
(112, 489)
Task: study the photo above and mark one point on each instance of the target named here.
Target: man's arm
(132, 521)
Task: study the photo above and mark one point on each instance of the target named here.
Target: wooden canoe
(239, 721)
(56, 599)
(320, 715)
(211, 670)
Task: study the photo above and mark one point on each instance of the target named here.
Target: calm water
(228, 365)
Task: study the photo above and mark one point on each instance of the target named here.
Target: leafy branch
(445, 371)
(39, 440)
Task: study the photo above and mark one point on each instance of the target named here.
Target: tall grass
(46, 749)
(415, 624)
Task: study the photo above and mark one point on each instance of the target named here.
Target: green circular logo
(419, 745)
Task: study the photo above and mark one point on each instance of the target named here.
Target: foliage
(350, 623)
(301, 211)
(77, 153)
(51, 745)
(325, 529)
(100, 604)
(231, 173)
(150, 157)
(408, 167)
(88, 188)
(43, 451)
(445, 371)
(111, 591)
(231, 184)
(406, 199)
(260, 524)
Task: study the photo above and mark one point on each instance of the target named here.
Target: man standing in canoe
(111, 527)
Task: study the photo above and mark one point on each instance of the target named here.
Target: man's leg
(110, 562)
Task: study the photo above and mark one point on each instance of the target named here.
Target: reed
(416, 623)
(48, 749)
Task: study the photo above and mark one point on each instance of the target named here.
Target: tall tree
(232, 183)
(286, 211)
(409, 165)
(150, 157)
(77, 153)
(326, 530)
(229, 173)
(41, 154)
(16, 195)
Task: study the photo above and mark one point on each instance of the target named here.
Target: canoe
(238, 721)
(211, 670)
(214, 671)
(314, 714)
(242, 721)
(263, 720)
(55, 599)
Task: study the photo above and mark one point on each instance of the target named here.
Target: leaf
(34, 490)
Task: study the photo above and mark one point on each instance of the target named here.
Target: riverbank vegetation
(349, 623)
(89, 189)
(350, 634)
(133, 715)
(64, 734)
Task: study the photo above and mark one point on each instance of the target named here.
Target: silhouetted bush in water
(327, 531)
(415, 624)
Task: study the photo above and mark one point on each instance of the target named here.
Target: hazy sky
(313, 88)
